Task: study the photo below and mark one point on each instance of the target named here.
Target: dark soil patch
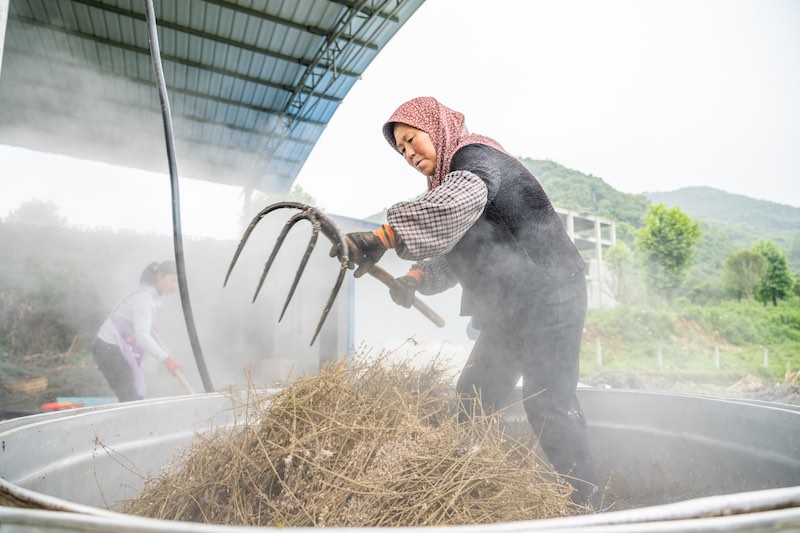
(720, 385)
(80, 379)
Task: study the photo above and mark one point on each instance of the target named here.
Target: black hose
(177, 234)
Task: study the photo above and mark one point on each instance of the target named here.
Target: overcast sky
(649, 96)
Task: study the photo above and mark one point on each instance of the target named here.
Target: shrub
(741, 331)
(51, 306)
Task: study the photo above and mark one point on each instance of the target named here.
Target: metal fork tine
(303, 262)
(320, 223)
(329, 303)
(278, 243)
(264, 212)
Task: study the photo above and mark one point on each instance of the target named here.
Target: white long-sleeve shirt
(137, 311)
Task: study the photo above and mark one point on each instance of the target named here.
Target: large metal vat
(678, 462)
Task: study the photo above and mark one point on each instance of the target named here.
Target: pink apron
(132, 352)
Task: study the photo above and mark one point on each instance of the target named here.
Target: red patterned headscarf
(445, 127)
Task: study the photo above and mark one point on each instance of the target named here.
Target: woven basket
(26, 386)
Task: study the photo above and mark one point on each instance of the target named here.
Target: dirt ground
(79, 378)
(748, 387)
(82, 378)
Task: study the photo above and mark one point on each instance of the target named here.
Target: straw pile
(360, 445)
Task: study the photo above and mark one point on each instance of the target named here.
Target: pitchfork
(319, 222)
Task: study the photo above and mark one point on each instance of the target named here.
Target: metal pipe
(177, 233)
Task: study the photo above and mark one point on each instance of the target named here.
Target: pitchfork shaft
(389, 280)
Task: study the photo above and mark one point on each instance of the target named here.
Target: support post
(598, 253)
(598, 352)
(660, 358)
(571, 225)
(716, 357)
(3, 23)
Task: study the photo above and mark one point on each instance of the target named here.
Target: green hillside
(571, 189)
(714, 204)
(743, 219)
(730, 222)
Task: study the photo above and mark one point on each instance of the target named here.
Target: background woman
(128, 334)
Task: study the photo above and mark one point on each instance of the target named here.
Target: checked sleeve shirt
(429, 227)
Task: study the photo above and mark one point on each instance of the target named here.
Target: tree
(742, 272)
(259, 200)
(776, 283)
(619, 259)
(297, 194)
(667, 241)
(793, 255)
(35, 211)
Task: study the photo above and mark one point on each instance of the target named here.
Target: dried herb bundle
(358, 444)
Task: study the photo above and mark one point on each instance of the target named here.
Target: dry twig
(358, 444)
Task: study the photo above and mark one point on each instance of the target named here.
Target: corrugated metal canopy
(252, 83)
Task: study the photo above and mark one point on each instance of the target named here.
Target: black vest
(518, 250)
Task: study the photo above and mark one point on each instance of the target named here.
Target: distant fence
(658, 357)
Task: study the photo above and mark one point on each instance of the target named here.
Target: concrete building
(592, 235)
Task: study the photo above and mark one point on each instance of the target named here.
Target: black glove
(365, 249)
(404, 294)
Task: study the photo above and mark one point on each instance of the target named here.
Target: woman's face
(166, 283)
(416, 147)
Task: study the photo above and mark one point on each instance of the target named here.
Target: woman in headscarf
(487, 224)
(128, 334)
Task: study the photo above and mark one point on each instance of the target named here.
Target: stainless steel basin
(678, 462)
